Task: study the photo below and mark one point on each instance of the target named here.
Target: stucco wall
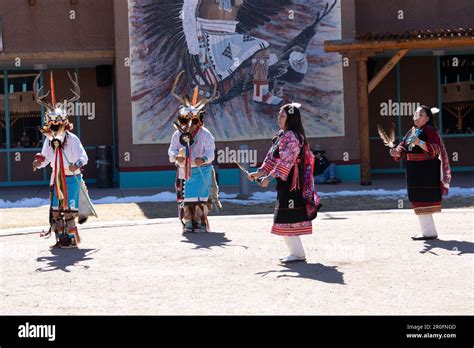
(47, 26)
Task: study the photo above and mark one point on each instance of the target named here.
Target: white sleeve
(81, 153)
(209, 148)
(47, 152)
(188, 17)
(174, 147)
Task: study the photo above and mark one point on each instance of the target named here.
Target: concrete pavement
(358, 263)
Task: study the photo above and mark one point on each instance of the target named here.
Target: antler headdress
(193, 108)
(55, 113)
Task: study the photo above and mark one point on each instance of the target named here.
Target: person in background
(215, 164)
(25, 140)
(324, 170)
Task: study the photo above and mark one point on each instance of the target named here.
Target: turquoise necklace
(411, 138)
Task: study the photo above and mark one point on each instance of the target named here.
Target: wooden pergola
(370, 44)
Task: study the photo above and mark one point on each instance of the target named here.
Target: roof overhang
(373, 46)
(57, 59)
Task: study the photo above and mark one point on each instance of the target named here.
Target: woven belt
(418, 157)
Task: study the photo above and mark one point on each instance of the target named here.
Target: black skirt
(290, 207)
(424, 180)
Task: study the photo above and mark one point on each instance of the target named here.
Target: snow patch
(255, 198)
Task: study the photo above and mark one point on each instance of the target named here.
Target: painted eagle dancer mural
(260, 54)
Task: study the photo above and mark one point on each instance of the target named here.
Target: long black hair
(293, 122)
(429, 113)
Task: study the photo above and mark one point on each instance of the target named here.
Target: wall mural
(257, 55)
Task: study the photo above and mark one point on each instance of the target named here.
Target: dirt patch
(25, 217)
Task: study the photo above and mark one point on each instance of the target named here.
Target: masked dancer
(192, 149)
(63, 150)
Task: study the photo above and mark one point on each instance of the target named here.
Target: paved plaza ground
(360, 262)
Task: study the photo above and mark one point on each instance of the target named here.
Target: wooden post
(363, 99)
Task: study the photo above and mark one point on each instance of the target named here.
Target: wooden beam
(363, 108)
(386, 69)
(59, 55)
(363, 54)
(435, 43)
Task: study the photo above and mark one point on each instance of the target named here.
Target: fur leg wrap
(71, 228)
(188, 213)
(57, 223)
(200, 216)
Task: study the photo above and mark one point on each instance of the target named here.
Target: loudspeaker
(103, 75)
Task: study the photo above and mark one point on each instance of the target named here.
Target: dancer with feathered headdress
(192, 150)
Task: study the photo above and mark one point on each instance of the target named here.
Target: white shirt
(204, 146)
(73, 151)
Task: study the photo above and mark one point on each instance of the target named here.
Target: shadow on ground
(456, 246)
(155, 210)
(61, 259)
(332, 217)
(314, 271)
(208, 240)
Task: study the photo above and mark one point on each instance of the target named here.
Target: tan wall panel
(23, 170)
(47, 26)
(382, 16)
(98, 130)
(463, 147)
(3, 166)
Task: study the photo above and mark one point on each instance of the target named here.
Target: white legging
(294, 245)
(428, 228)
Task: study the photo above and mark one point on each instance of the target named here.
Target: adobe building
(92, 39)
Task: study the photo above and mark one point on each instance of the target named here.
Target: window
(25, 113)
(457, 94)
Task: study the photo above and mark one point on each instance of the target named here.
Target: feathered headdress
(194, 108)
(190, 111)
